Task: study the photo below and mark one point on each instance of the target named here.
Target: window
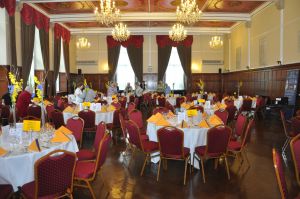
(62, 68)
(124, 73)
(174, 73)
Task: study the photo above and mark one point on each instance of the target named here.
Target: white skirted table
(106, 117)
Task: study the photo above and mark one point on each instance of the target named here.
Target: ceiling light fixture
(177, 33)
(83, 43)
(108, 13)
(188, 12)
(216, 42)
(120, 32)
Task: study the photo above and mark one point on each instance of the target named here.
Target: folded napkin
(162, 122)
(46, 102)
(111, 108)
(203, 124)
(192, 112)
(183, 124)
(185, 105)
(152, 119)
(69, 109)
(65, 130)
(215, 120)
(3, 152)
(35, 146)
(222, 106)
(103, 109)
(60, 137)
(171, 114)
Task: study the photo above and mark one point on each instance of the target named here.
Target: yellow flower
(17, 86)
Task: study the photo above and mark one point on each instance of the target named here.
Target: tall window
(62, 68)
(174, 72)
(124, 71)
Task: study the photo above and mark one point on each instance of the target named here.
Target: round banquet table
(193, 136)
(106, 117)
(239, 102)
(17, 166)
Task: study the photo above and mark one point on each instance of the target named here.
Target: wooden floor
(259, 181)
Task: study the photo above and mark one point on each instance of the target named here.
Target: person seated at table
(128, 88)
(167, 89)
(143, 85)
(79, 94)
(112, 89)
(90, 95)
(6, 99)
(23, 101)
(138, 90)
(160, 87)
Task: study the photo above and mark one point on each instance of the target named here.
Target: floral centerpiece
(40, 97)
(201, 86)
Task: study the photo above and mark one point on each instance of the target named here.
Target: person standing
(23, 101)
(79, 94)
(128, 88)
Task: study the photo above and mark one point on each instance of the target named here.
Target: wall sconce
(279, 62)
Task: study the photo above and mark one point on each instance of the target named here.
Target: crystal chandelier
(177, 33)
(216, 42)
(188, 12)
(108, 13)
(83, 43)
(120, 32)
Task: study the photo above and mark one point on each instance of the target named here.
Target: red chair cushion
(85, 154)
(29, 190)
(109, 126)
(150, 146)
(143, 131)
(200, 151)
(5, 191)
(234, 146)
(84, 170)
(186, 153)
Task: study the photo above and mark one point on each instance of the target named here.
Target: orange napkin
(46, 102)
(203, 124)
(215, 120)
(2, 152)
(185, 105)
(35, 146)
(65, 130)
(60, 137)
(162, 122)
(111, 108)
(222, 106)
(152, 119)
(171, 114)
(184, 124)
(69, 109)
(103, 109)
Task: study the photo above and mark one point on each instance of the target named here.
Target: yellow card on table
(2, 152)
(86, 104)
(201, 100)
(34, 146)
(65, 130)
(32, 125)
(171, 114)
(111, 108)
(192, 112)
(60, 137)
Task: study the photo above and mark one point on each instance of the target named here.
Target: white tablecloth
(17, 168)
(193, 137)
(239, 102)
(106, 117)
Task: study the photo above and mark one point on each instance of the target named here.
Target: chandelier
(177, 33)
(108, 13)
(188, 12)
(216, 42)
(120, 32)
(83, 43)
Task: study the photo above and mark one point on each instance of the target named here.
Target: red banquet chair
(86, 154)
(86, 171)
(57, 119)
(76, 124)
(125, 135)
(88, 117)
(161, 101)
(34, 110)
(289, 134)
(131, 106)
(198, 108)
(223, 115)
(5, 112)
(240, 127)
(179, 101)
(170, 140)
(117, 105)
(145, 146)
(279, 171)
(231, 109)
(216, 147)
(53, 176)
(50, 108)
(247, 105)
(6, 191)
(123, 101)
(239, 147)
(137, 117)
(169, 106)
(162, 110)
(295, 149)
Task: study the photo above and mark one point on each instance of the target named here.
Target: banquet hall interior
(150, 99)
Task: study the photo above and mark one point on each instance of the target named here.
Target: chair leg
(157, 177)
(246, 156)
(203, 173)
(91, 189)
(227, 168)
(216, 163)
(185, 167)
(190, 161)
(145, 161)
(165, 164)
(287, 141)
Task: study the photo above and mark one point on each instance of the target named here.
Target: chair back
(223, 115)
(282, 116)
(100, 132)
(54, 173)
(122, 124)
(89, 118)
(240, 125)
(136, 116)
(217, 140)
(117, 105)
(134, 134)
(34, 110)
(198, 108)
(231, 109)
(229, 102)
(295, 125)
(147, 98)
(5, 112)
(161, 101)
(246, 137)
(170, 141)
(123, 101)
(280, 174)
(102, 152)
(76, 124)
(179, 101)
(31, 118)
(247, 105)
(57, 118)
(161, 110)
(136, 101)
(131, 106)
(49, 109)
(169, 106)
(295, 149)
(60, 104)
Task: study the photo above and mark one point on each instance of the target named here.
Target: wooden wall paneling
(98, 81)
(63, 82)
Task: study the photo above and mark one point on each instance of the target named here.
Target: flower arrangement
(15, 87)
(107, 84)
(201, 86)
(39, 89)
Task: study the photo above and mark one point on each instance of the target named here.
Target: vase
(43, 115)
(13, 111)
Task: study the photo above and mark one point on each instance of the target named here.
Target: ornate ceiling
(76, 15)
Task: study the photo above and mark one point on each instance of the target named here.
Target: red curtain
(60, 31)
(164, 40)
(9, 5)
(31, 16)
(136, 40)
